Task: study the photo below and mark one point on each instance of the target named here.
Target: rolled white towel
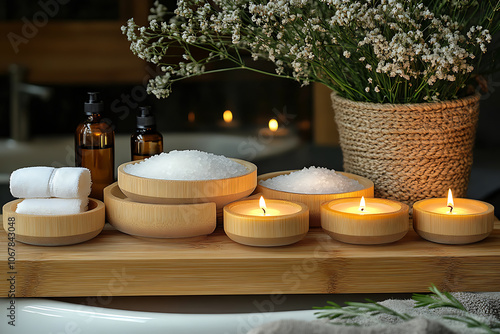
(43, 182)
(52, 206)
(70, 182)
(31, 182)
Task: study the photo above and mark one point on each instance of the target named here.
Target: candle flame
(262, 204)
(227, 116)
(273, 125)
(362, 204)
(450, 204)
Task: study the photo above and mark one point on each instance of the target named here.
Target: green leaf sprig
(436, 299)
(355, 309)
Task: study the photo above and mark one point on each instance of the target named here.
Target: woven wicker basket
(409, 151)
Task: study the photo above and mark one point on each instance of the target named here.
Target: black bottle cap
(93, 106)
(145, 118)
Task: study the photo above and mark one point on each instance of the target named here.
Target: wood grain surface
(115, 264)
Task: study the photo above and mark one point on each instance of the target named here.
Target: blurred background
(54, 51)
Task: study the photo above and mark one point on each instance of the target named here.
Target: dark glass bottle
(146, 141)
(95, 146)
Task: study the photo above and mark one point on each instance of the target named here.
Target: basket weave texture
(409, 151)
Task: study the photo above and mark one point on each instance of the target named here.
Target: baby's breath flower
(335, 42)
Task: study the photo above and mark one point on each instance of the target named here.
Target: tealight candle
(365, 221)
(453, 221)
(268, 222)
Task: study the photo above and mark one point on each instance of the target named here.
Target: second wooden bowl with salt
(313, 201)
(159, 191)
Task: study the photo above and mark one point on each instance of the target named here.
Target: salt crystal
(187, 165)
(312, 180)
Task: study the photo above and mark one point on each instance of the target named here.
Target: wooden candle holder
(452, 229)
(313, 201)
(266, 231)
(56, 230)
(220, 192)
(158, 220)
(369, 229)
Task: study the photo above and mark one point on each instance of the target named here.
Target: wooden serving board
(117, 264)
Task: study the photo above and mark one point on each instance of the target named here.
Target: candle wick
(451, 208)
(362, 209)
(264, 211)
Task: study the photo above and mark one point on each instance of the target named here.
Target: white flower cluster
(379, 50)
(419, 45)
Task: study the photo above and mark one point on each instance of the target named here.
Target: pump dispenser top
(146, 141)
(93, 106)
(145, 119)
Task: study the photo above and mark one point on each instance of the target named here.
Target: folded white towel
(42, 182)
(52, 206)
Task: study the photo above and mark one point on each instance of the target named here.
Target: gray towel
(414, 326)
(483, 306)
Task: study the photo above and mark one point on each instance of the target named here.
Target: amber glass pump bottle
(146, 141)
(95, 146)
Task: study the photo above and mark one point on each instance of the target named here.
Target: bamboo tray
(117, 264)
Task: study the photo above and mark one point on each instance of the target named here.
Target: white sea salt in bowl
(313, 187)
(185, 177)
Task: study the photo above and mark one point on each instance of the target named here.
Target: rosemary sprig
(436, 299)
(354, 309)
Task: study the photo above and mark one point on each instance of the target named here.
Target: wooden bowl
(220, 192)
(57, 230)
(158, 220)
(266, 231)
(313, 201)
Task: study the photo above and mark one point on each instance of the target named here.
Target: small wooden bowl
(454, 230)
(158, 220)
(57, 230)
(266, 231)
(369, 229)
(220, 192)
(313, 201)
